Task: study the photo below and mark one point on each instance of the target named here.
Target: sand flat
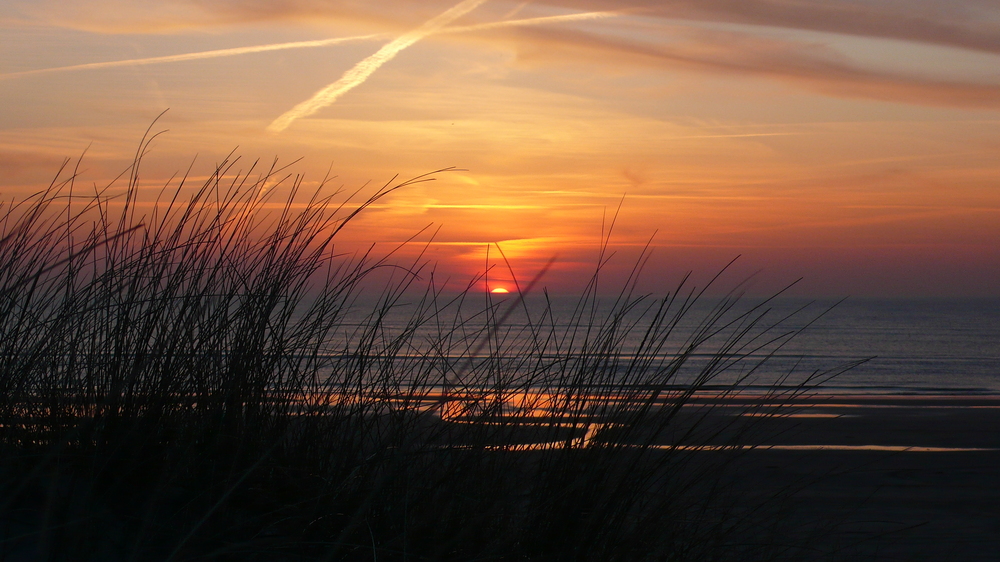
(881, 504)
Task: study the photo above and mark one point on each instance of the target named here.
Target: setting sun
(500, 291)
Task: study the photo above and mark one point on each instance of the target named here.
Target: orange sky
(849, 142)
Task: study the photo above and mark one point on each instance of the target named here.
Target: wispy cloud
(361, 71)
(193, 56)
(968, 24)
(807, 65)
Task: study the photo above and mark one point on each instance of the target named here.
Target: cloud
(17, 163)
(170, 16)
(361, 71)
(969, 24)
(812, 66)
(110, 16)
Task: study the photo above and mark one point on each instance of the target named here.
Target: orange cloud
(966, 24)
(807, 65)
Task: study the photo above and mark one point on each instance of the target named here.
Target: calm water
(916, 346)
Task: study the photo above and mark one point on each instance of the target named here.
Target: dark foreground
(932, 501)
(833, 478)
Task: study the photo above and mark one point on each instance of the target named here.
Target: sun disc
(500, 291)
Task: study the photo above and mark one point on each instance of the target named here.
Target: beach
(884, 478)
(832, 476)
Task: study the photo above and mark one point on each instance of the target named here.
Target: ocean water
(909, 346)
(917, 346)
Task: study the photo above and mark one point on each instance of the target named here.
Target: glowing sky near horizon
(851, 143)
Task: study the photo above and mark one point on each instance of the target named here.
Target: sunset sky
(854, 143)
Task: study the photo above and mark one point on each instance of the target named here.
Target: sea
(912, 345)
(885, 346)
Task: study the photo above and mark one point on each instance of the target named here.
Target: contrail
(516, 10)
(361, 71)
(531, 21)
(195, 56)
(303, 44)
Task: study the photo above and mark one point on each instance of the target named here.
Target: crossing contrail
(361, 71)
(353, 77)
(303, 44)
(195, 56)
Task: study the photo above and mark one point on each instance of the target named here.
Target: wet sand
(840, 477)
(901, 478)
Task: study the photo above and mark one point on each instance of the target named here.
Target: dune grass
(207, 378)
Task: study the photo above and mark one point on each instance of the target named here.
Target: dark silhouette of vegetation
(200, 379)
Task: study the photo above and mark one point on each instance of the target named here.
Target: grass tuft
(205, 377)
